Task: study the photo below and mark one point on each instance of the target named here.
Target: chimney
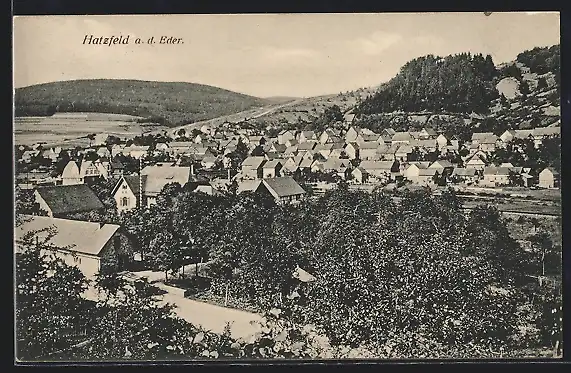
(192, 168)
(229, 178)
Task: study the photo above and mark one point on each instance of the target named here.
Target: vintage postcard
(287, 186)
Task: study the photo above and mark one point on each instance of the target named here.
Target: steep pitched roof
(133, 184)
(159, 176)
(442, 163)
(428, 172)
(65, 199)
(253, 162)
(274, 163)
(308, 145)
(552, 170)
(496, 171)
(523, 134)
(72, 235)
(477, 136)
(71, 170)
(460, 171)
(280, 148)
(306, 163)
(402, 136)
(336, 164)
(369, 145)
(283, 187)
(377, 165)
(370, 136)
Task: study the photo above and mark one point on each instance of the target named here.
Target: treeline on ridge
(166, 103)
(455, 83)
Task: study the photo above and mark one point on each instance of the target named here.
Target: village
(355, 155)
(290, 167)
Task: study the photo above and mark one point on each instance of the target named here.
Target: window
(124, 186)
(124, 201)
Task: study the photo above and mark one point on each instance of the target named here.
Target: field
(70, 131)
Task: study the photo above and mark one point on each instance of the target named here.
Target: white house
(82, 244)
(549, 178)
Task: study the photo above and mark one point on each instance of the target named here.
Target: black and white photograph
(310, 186)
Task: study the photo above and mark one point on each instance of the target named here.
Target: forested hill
(462, 83)
(161, 102)
(463, 93)
(458, 83)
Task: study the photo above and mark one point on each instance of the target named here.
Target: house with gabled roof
(441, 141)
(278, 148)
(290, 151)
(388, 153)
(85, 245)
(412, 171)
(402, 152)
(488, 143)
(305, 136)
(62, 200)
(291, 164)
(477, 162)
(478, 136)
(306, 146)
(306, 164)
(291, 142)
(380, 170)
(367, 137)
(136, 151)
(352, 134)
(495, 176)
(284, 190)
(150, 183)
(541, 133)
(127, 193)
(464, 175)
(426, 176)
(338, 150)
(401, 138)
(549, 177)
(325, 135)
(359, 175)
(352, 150)
(427, 133)
(252, 167)
(341, 167)
(286, 135)
(442, 164)
(272, 168)
(70, 174)
(247, 185)
(368, 150)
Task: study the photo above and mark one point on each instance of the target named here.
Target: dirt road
(213, 318)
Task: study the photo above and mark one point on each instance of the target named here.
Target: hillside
(464, 93)
(160, 102)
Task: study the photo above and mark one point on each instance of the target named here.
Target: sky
(296, 55)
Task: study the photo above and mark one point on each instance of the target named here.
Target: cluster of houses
(354, 154)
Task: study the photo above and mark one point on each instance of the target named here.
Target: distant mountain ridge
(168, 103)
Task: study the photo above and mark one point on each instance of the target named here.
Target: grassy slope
(177, 103)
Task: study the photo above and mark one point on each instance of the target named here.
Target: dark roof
(283, 186)
(64, 199)
(117, 164)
